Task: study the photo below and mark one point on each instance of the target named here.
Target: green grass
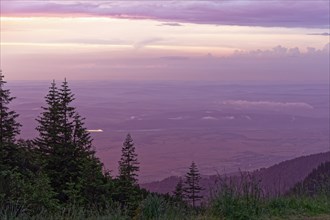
(157, 208)
(298, 206)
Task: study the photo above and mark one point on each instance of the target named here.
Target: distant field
(221, 127)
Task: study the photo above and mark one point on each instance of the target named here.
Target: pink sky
(166, 40)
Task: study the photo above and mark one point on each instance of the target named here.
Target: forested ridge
(57, 175)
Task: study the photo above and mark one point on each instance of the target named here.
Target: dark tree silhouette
(192, 188)
(49, 123)
(178, 193)
(66, 148)
(9, 127)
(128, 164)
(128, 168)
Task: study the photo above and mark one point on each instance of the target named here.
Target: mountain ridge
(275, 180)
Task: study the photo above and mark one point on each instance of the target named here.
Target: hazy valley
(222, 127)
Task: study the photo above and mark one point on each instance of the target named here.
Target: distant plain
(223, 127)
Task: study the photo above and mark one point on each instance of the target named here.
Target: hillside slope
(276, 179)
(316, 183)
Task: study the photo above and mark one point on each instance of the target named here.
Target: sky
(237, 40)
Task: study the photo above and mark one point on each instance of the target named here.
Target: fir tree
(49, 127)
(67, 112)
(9, 127)
(192, 188)
(128, 164)
(128, 168)
(66, 145)
(20, 176)
(95, 185)
(178, 193)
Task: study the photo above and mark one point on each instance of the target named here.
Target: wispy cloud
(280, 51)
(267, 104)
(310, 66)
(174, 58)
(141, 44)
(275, 13)
(171, 24)
(320, 34)
(94, 41)
(209, 118)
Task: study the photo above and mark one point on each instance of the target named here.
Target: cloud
(326, 48)
(277, 66)
(275, 13)
(174, 58)
(248, 117)
(209, 118)
(267, 104)
(171, 24)
(94, 41)
(320, 34)
(146, 42)
(229, 117)
(280, 51)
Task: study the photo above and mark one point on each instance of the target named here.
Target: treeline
(59, 167)
(317, 182)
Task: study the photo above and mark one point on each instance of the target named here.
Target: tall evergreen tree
(192, 188)
(128, 168)
(178, 193)
(128, 164)
(67, 112)
(19, 175)
(9, 127)
(49, 123)
(66, 145)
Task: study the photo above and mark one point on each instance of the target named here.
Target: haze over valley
(223, 127)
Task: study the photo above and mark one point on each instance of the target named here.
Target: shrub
(237, 198)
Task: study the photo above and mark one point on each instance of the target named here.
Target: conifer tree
(128, 164)
(179, 191)
(67, 112)
(192, 188)
(66, 145)
(9, 127)
(19, 177)
(49, 123)
(128, 168)
(95, 185)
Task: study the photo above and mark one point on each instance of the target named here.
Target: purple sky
(270, 13)
(171, 40)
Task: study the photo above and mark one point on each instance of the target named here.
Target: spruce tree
(128, 164)
(49, 123)
(178, 193)
(20, 176)
(66, 147)
(9, 128)
(67, 112)
(192, 188)
(128, 168)
(95, 185)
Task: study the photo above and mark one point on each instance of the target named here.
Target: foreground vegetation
(158, 207)
(58, 176)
